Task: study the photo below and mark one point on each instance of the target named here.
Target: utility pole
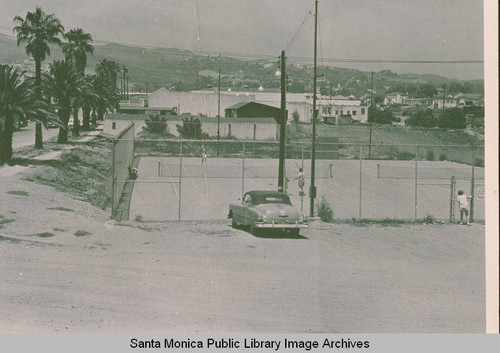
(312, 188)
(370, 138)
(218, 115)
(281, 170)
(444, 95)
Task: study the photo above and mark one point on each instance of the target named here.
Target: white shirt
(462, 201)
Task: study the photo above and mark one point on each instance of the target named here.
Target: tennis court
(170, 188)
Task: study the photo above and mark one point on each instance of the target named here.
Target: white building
(449, 102)
(197, 102)
(395, 99)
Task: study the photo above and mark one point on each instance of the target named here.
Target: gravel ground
(186, 277)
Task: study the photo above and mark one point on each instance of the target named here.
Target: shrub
(405, 156)
(479, 162)
(430, 155)
(324, 210)
(429, 219)
(442, 157)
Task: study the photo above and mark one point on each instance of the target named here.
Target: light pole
(312, 189)
(281, 170)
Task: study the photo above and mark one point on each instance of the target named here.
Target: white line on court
(171, 179)
(196, 186)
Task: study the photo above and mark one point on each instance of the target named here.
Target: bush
(442, 157)
(479, 162)
(324, 210)
(405, 156)
(429, 219)
(430, 155)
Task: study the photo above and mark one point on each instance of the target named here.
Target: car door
(239, 210)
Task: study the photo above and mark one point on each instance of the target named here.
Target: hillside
(151, 68)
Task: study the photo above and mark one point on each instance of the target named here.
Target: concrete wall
(241, 130)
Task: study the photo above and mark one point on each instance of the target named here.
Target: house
(417, 101)
(395, 99)
(449, 102)
(253, 110)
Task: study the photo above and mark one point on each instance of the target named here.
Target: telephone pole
(312, 189)
(281, 170)
(218, 115)
(369, 108)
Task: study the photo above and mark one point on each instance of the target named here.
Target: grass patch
(59, 208)
(82, 172)
(5, 221)
(58, 229)
(82, 233)
(18, 192)
(11, 240)
(368, 222)
(45, 235)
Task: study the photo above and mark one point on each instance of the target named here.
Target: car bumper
(281, 225)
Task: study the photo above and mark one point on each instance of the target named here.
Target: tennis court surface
(169, 188)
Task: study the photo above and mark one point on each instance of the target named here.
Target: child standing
(463, 204)
(302, 180)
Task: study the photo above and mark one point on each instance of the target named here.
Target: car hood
(274, 210)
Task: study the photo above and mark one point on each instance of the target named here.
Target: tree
(421, 117)
(381, 116)
(190, 128)
(37, 31)
(17, 101)
(107, 96)
(452, 118)
(295, 117)
(75, 51)
(63, 84)
(156, 124)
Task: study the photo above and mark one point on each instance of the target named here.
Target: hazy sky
(352, 29)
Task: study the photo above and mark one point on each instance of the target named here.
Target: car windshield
(263, 199)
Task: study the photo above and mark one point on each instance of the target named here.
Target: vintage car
(266, 210)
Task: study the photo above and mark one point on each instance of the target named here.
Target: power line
(248, 56)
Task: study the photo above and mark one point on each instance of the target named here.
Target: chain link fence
(358, 180)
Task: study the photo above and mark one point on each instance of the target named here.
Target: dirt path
(208, 277)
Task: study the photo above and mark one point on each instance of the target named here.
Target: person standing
(301, 181)
(463, 204)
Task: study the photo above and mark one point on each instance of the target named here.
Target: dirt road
(208, 277)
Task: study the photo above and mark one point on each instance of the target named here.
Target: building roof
(238, 105)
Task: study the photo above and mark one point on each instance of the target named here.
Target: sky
(348, 29)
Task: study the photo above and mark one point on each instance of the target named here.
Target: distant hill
(152, 68)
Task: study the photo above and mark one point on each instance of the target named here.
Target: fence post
(243, 174)
(416, 184)
(378, 170)
(113, 182)
(180, 180)
(452, 194)
(471, 217)
(360, 177)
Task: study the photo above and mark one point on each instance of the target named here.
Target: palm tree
(37, 31)
(108, 96)
(109, 70)
(17, 101)
(63, 84)
(89, 101)
(75, 51)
